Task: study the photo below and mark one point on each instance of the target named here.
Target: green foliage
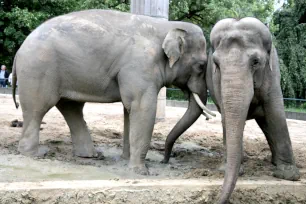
(290, 40)
(19, 18)
(175, 94)
(107, 4)
(206, 13)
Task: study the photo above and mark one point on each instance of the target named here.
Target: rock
(158, 145)
(16, 123)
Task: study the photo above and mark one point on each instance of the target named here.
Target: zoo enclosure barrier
(294, 108)
(291, 104)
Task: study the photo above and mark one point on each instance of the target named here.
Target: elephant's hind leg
(33, 113)
(278, 139)
(126, 137)
(81, 139)
(275, 128)
(29, 142)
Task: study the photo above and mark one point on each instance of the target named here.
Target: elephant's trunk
(191, 115)
(236, 95)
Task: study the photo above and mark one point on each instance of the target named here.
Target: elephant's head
(242, 54)
(186, 52)
(187, 57)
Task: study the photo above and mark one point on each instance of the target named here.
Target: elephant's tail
(14, 82)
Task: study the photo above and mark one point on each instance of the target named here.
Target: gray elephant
(105, 56)
(243, 78)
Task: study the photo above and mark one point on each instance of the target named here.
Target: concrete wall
(296, 116)
(5, 90)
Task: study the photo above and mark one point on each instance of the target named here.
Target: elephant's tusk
(200, 103)
(206, 115)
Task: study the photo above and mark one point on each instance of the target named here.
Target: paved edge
(150, 191)
(86, 184)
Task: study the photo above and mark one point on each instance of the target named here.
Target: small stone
(158, 145)
(100, 156)
(24, 194)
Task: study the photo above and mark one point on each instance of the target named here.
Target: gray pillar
(159, 9)
(154, 8)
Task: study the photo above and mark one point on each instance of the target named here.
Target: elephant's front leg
(275, 128)
(142, 118)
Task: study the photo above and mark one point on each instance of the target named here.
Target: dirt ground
(197, 154)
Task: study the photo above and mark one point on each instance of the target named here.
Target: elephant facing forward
(243, 78)
(106, 56)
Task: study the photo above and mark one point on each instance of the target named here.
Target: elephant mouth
(206, 112)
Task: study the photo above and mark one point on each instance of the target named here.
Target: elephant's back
(94, 29)
(77, 34)
(100, 23)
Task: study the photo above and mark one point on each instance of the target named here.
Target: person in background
(3, 76)
(10, 79)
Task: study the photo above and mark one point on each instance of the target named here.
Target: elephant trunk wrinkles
(236, 94)
(191, 115)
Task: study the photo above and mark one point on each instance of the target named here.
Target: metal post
(159, 9)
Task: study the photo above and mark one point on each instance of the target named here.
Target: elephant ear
(173, 45)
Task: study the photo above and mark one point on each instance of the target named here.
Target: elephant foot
(287, 171)
(167, 154)
(125, 156)
(222, 169)
(39, 151)
(87, 152)
(141, 169)
(100, 156)
(164, 161)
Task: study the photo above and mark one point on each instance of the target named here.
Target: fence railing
(291, 104)
(177, 94)
(295, 105)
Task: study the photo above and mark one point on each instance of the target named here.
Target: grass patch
(297, 110)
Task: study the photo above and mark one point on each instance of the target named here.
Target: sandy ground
(197, 154)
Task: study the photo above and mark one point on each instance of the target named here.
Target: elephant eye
(198, 67)
(255, 63)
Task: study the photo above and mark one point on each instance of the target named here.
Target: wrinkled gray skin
(243, 78)
(106, 56)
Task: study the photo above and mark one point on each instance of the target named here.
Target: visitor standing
(3, 76)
